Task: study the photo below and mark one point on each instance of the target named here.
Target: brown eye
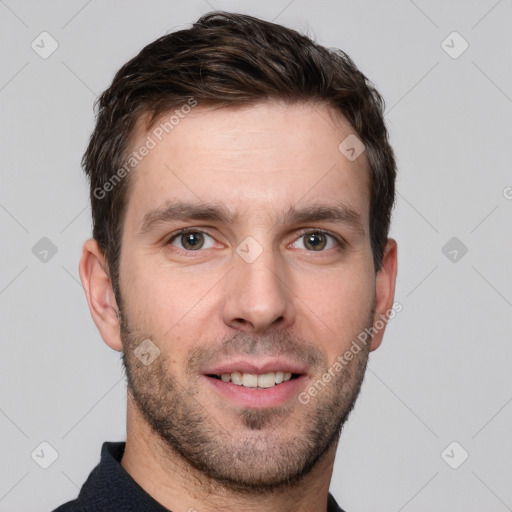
(315, 241)
(192, 241)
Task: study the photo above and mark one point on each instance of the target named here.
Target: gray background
(443, 372)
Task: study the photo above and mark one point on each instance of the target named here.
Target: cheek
(340, 303)
(167, 302)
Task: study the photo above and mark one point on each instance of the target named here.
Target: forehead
(252, 159)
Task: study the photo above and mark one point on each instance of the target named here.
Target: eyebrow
(178, 210)
(341, 214)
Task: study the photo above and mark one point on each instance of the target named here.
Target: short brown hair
(230, 59)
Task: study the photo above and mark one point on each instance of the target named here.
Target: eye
(316, 241)
(192, 241)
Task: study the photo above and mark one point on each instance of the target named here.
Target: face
(246, 262)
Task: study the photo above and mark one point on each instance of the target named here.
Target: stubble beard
(255, 455)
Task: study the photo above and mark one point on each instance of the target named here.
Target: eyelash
(184, 231)
(339, 241)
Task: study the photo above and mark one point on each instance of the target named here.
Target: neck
(172, 482)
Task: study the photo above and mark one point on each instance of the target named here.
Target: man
(241, 185)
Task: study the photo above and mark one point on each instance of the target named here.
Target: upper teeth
(252, 380)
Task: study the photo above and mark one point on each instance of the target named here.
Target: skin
(290, 302)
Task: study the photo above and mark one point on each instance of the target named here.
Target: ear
(100, 294)
(384, 292)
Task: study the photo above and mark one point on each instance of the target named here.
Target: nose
(258, 295)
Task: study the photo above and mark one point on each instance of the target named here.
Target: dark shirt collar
(109, 488)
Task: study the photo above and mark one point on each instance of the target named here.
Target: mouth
(255, 380)
(257, 386)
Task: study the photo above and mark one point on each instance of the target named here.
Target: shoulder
(70, 506)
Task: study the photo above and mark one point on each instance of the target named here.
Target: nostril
(279, 320)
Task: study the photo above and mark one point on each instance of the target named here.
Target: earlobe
(99, 293)
(384, 292)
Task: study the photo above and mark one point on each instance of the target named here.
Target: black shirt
(109, 488)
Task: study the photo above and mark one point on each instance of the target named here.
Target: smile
(254, 380)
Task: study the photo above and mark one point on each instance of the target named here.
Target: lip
(257, 398)
(255, 366)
